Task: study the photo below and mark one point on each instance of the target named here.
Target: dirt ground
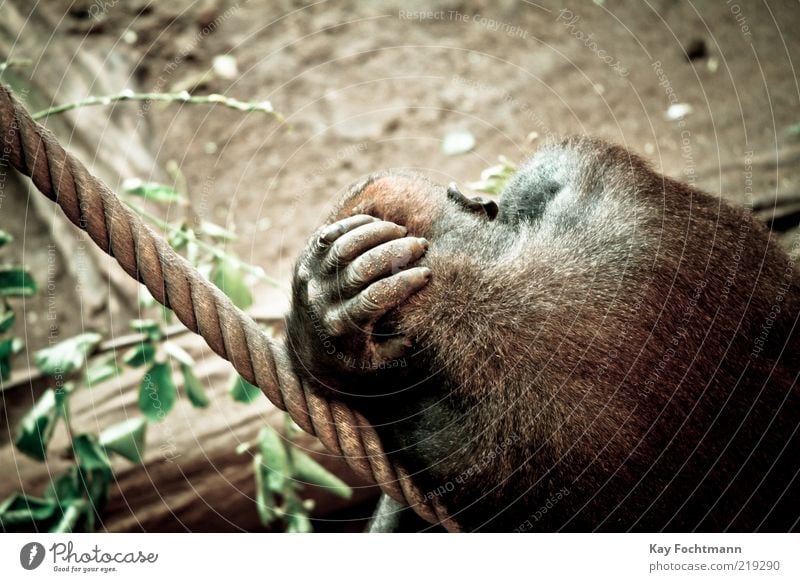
(366, 86)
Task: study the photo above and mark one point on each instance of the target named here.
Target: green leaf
(19, 510)
(70, 517)
(152, 191)
(296, 516)
(67, 355)
(16, 283)
(126, 439)
(97, 486)
(243, 391)
(8, 347)
(495, 178)
(157, 391)
(265, 500)
(229, 278)
(5, 238)
(275, 463)
(149, 327)
(298, 523)
(90, 454)
(180, 238)
(62, 398)
(308, 470)
(36, 429)
(178, 354)
(217, 232)
(140, 355)
(7, 318)
(194, 388)
(95, 474)
(65, 487)
(101, 370)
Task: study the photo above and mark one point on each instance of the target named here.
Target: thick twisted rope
(199, 305)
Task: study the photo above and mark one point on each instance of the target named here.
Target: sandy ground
(367, 86)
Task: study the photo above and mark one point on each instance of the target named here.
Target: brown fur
(605, 337)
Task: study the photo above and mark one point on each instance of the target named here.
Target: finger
(360, 240)
(329, 234)
(386, 259)
(332, 232)
(322, 240)
(386, 294)
(380, 297)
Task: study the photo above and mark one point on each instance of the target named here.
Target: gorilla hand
(352, 273)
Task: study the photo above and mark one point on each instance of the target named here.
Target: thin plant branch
(257, 272)
(14, 64)
(180, 97)
(122, 343)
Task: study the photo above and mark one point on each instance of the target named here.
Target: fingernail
(332, 232)
(426, 272)
(424, 243)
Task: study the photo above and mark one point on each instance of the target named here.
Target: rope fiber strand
(199, 305)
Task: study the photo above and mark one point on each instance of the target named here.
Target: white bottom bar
(407, 558)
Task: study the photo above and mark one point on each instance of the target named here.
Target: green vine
(179, 97)
(76, 499)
